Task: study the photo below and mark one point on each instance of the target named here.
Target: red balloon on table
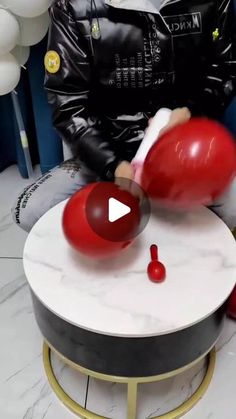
(156, 270)
(190, 165)
(86, 225)
(231, 308)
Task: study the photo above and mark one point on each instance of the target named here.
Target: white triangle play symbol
(117, 210)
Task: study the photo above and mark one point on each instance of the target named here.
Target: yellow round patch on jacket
(52, 62)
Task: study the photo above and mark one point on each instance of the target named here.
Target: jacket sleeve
(219, 83)
(69, 91)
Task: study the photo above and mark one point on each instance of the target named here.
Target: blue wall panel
(49, 144)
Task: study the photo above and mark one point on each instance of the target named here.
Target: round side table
(108, 321)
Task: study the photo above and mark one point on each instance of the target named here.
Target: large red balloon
(190, 165)
(86, 225)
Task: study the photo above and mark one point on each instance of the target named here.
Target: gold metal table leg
(180, 411)
(132, 399)
(61, 394)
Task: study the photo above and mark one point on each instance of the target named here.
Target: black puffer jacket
(121, 60)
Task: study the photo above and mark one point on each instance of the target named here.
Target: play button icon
(117, 210)
(116, 214)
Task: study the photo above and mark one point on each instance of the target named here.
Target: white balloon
(21, 54)
(9, 31)
(10, 71)
(27, 8)
(33, 30)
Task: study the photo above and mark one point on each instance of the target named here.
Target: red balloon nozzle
(154, 252)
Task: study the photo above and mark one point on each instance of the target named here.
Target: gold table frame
(132, 385)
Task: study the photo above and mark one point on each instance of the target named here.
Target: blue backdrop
(45, 145)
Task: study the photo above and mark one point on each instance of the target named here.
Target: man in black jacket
(111, 64)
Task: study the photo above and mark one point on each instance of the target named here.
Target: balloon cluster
(23, 23)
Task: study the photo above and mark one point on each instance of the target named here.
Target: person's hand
(124, 176)
(178, 116)
(124, 170)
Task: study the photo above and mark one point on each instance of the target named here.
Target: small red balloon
(231, 309)
(86, 225)
(156, 270)
(190, 165)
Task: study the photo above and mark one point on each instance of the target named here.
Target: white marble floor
(24, 391)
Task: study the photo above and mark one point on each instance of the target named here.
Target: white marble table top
(115, 297)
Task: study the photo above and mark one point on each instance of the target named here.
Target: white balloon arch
(9, 31)
(27, 8)
(23, 23)
(9, 73)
